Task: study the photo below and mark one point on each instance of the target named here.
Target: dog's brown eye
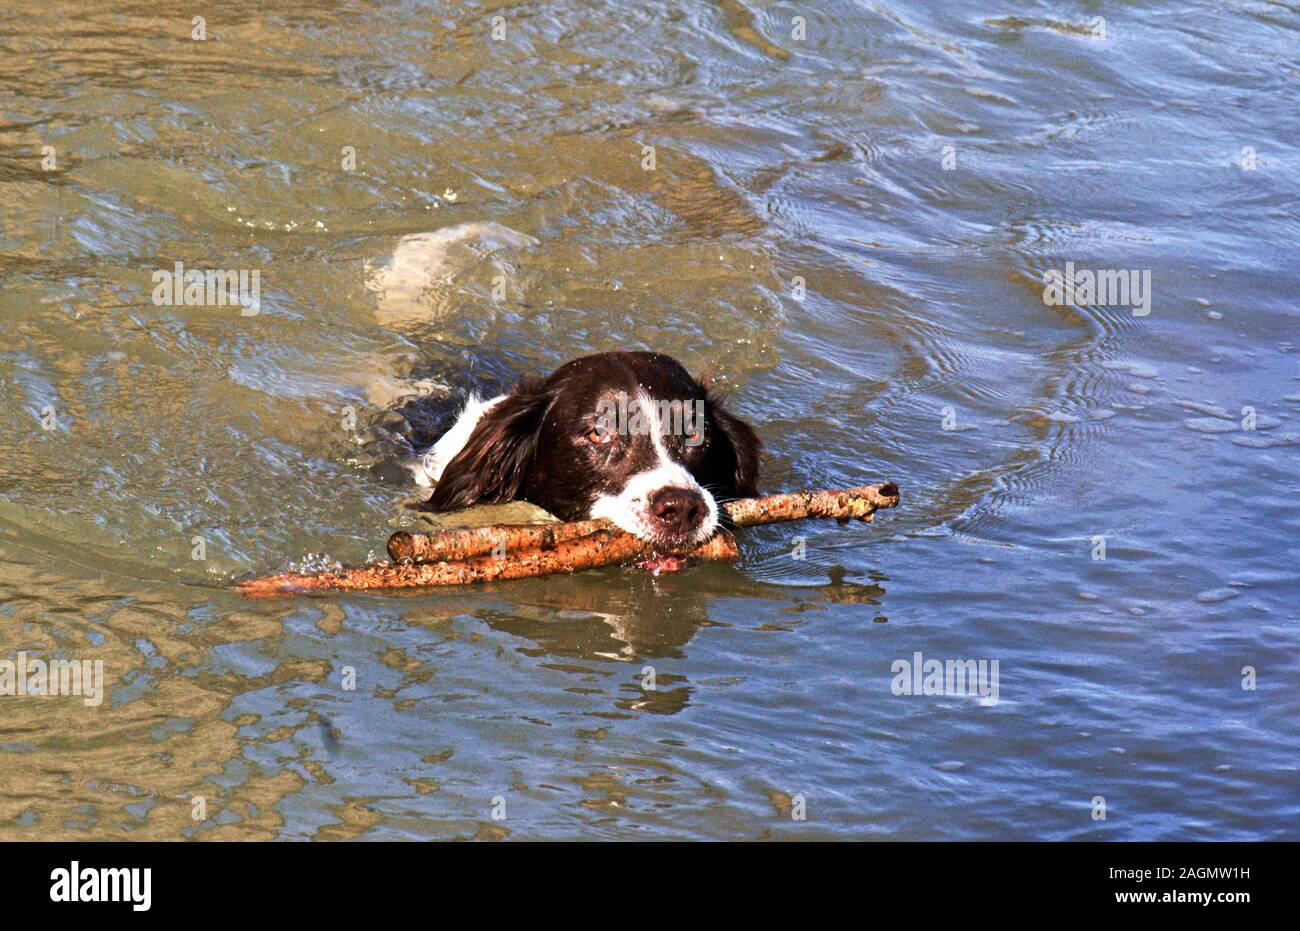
(600, 437)
(696, 437)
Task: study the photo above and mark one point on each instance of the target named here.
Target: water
(134, 437)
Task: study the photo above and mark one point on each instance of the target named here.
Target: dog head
(628, 436)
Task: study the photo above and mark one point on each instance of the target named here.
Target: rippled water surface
(849, 221)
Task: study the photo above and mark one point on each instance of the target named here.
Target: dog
(627, 436)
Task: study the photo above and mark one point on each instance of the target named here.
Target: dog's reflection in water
(630, 616)
(635, 620)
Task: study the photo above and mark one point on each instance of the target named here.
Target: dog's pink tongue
(657, 565)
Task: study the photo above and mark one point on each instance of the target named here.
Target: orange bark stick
(850, 503)
(845, 504)
(443, 545)
(601, 548)
(461, 557)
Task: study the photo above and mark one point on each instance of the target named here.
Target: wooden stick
(438, 546)
(850, 503)
(601, 548)
(844, 505)
(533, 550)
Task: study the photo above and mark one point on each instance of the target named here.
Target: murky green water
(919, 167)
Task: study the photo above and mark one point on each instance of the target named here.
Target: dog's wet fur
(543, 443)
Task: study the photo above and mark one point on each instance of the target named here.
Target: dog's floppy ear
(492, 465)
(746, 444)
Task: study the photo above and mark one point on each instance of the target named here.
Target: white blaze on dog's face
(672, 452)
(664, 503)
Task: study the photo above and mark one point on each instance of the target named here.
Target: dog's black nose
(678, 510)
